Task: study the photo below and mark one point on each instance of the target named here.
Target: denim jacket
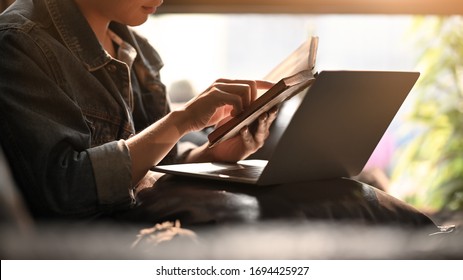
(66, 107)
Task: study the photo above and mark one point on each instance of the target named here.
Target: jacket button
(111, 68)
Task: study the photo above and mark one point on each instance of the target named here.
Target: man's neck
(99, 25)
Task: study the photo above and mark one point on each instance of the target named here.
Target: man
(84, 114)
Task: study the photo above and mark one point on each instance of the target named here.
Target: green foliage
(434, 159)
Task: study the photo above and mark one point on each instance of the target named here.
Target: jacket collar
(77, 34)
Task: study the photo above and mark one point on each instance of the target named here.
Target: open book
(294, 74)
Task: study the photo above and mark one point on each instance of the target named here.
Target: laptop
(328, 131)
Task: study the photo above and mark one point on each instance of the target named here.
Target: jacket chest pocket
(105, 128)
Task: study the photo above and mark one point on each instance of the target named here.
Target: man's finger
(243, 90)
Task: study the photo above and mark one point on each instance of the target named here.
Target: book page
(303, 58)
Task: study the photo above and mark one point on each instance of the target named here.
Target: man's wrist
(200, 154)
(180, 120)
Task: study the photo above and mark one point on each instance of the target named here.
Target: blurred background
(420, 158)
